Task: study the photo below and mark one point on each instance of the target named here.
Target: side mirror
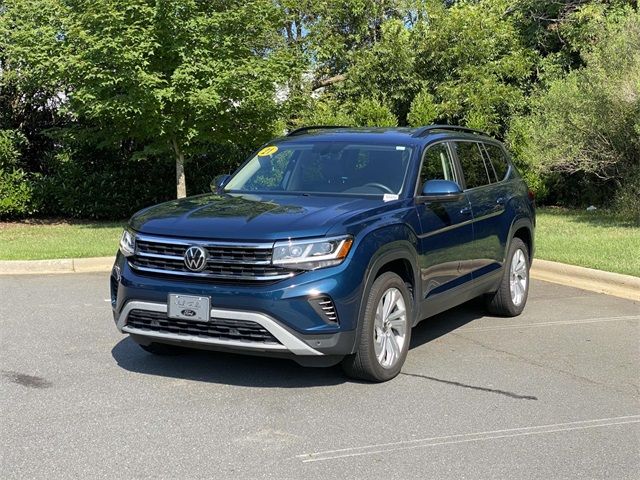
(440, 191)
(219, 182)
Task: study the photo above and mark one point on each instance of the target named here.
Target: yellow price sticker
(268, 151)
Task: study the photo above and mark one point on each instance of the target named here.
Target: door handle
(465, 211)
(501, 201)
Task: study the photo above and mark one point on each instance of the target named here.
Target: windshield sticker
(389, 197)
(268, 151)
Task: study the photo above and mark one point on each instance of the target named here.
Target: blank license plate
(187, 307)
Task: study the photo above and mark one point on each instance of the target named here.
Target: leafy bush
(372, 113)
(16, 187)
(627, 201)
(103, 186)
(106, 185)
(423, 110)
(365, 112)
(9, 148)
(16, 194)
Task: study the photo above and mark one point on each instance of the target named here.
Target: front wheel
(386, 331)
(511, 297)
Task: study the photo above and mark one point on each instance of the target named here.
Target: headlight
(312, 254)
(128, 243)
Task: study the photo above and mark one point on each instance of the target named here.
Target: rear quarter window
(476, 173)
(498, 160)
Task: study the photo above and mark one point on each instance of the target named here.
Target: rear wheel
(386, 331)
(511, 297)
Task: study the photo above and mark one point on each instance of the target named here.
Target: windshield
(336, 167)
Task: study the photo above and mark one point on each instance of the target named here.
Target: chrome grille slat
(203, 243)
(236, 261)
(239, 330)
(158, 255)
(226, 261)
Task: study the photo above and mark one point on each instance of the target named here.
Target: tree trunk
(181, 181)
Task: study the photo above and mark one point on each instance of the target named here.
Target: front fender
(382, 246)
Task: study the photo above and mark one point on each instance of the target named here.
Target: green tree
(386, 69)
(31, 85)
(587, 123)
(341, 28)
(175, 76)
(471, 58)
(467, 61)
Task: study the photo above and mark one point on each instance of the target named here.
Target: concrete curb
(624, 286)
(63, 265)
(616, 284)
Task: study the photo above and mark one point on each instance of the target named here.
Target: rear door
(502, 191)
(446, 236)
(488, 198)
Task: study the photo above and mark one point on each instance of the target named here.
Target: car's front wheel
(386, 331)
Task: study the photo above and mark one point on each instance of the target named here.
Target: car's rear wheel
(386, 331)
(511, 297)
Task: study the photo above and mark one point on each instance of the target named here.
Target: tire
(162, 349)
(511, 297)
(377, 359)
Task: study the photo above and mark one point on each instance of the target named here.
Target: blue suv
(328, 245)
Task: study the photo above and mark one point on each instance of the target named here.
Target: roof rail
(301, 130)
(422, 131)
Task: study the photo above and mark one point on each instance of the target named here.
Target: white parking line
(550, 324)
(466, 437)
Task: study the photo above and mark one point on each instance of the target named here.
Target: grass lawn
(49, 239)
(588, 239)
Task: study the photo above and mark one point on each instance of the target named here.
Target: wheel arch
(401, 258)
(522, 229)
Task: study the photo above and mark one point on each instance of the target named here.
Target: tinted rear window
(472, 163)
(498, 160)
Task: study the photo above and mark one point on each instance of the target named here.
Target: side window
(473, 166)
(437, 164)
(498, 160)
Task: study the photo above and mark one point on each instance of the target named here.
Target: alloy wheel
(518, 277)
(390, 328)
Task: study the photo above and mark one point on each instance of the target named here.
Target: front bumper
(282, 309)
(286, 341)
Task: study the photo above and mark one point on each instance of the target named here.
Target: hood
(249, 217)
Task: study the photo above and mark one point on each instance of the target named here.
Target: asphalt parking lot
(553, 393)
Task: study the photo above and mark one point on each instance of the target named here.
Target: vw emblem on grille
(195, 258)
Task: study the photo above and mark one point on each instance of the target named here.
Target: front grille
(226, 329)
(226, 262)
(160, 248)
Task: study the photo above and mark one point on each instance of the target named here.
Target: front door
(446, 235)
